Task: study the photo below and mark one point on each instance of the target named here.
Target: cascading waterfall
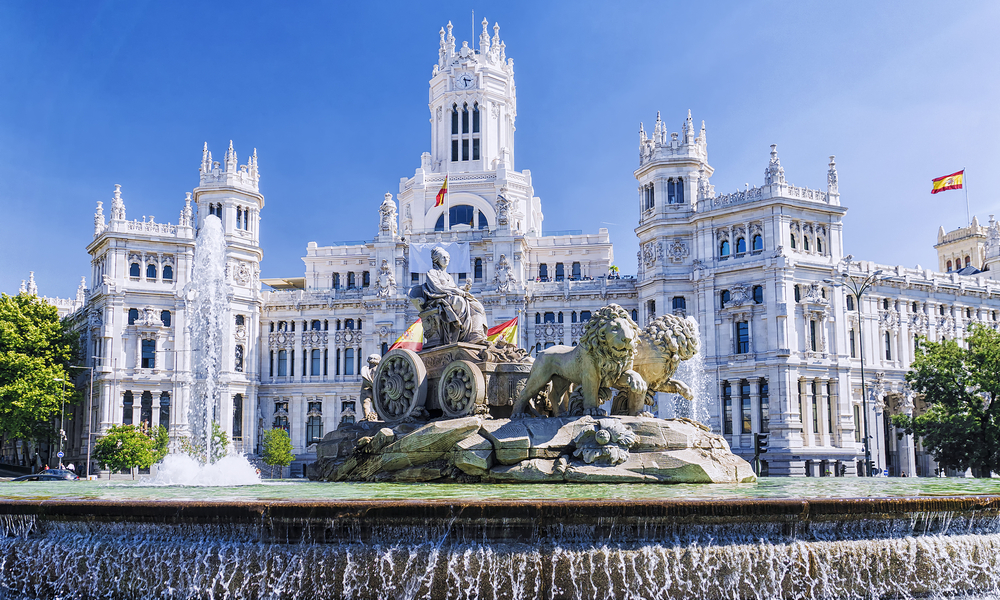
(208, 328)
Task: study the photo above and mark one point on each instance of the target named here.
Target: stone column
(907, 450)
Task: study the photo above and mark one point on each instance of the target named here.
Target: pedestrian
(45, 468)
(73, 468)
(903, 474)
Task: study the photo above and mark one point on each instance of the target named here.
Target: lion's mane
(610, 362)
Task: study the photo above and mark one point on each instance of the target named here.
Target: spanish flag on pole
(948, 182)
(439, 200)
(412, 338)
(504, 331)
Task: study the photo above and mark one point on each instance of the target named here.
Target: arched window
(576, 270)
(538, 318)
(134, 270)
(165, 318)
(133, 315)
(282, 363)
(478, 269)
(559, 317)
(316, 325)
(679, 303)
(168, 273)
(150, 271)
(543, 272)
(805, 244)
(483, 223)
(724, 298)
(585, 316)
(968, 261)
(538, 348)
(465, 121)
(758, 294)
(336, 281)
(560, 272)
(366, 279)
(550, 317)
(165, 410)
(635, 315)
(793, 241)
(949, 266)
(724, 249)
(240, 320)
(819, 245)
(351, 283)
(349, 324)
(475, 118)
(239, 217)
(454, 122)
(128, 401)
(572, 317)
(463, 214)
(850, 302)
(741, 246)
(757, 243)
(885, 304)
(439, 225)
(549, 344)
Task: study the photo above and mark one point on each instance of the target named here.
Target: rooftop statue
(449, 313)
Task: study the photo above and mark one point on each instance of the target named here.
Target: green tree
(126, 447)
(277, 448)
(161, 444)
(196, 448)
(35, 349)
(962, 386)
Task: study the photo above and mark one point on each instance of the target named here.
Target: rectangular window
(336, 363)
(291, 360)
(314, 429)
(812, 335)
(857, 423)
(465, 121)
(349, 361)
(888, 346)
(802, 393)
(853, 354)
(815, 411)
(475, 120)
(745, 408)
(271, 365)
(742, 337)
(454, 150)
(282, 363)
(765, 408)
(127, 409)
(465, 149)
(238, 416)
(475, 148)
(148, 354)
(454, 121)
(315, 363)
(829, 408)
(326, 362)
(727, 408)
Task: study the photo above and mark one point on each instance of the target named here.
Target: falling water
(692, 372)
(208, 327)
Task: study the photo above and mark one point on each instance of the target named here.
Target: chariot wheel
(400, 385)
(461, 387)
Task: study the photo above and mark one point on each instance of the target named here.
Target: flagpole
(965, 184)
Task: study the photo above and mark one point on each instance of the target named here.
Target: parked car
(49, 475)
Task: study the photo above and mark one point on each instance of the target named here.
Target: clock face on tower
(465, 81)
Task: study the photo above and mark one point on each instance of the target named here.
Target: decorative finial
(774, 173)
(832, 186)
(32, 287)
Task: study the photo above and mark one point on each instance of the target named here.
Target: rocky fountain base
(547, 450)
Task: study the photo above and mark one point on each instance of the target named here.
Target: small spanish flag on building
(504, 331)
(412, 338)
(948, 182)
(441, 194)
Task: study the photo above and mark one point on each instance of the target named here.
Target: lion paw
(595, 412)
(646, 414)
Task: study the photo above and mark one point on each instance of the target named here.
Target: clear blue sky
(334, 98)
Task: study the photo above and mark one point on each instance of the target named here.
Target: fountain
(208, 327)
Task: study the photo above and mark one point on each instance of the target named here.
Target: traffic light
(871, 468)
(759, 443)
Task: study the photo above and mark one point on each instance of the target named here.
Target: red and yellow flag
(439, 200)
(948, 182)
(504, 331)
(412, 338)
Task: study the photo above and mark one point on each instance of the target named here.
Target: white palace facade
(754, 267)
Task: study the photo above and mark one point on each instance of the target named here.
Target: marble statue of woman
(449, 313)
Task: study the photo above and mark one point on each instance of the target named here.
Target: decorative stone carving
(242, 273)
(774, 173)
(387, 216)
(831, 177)
(99, 224)
(877, 392)
(367, 387)
(186, 219)
(606, 443)
(503, 277)
(740, 294)
(385, 283)
(503, 208)
(814, 295)
(117, 205)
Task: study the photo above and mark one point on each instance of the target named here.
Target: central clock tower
(473, 105)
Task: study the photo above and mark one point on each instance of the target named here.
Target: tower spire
(484, 38)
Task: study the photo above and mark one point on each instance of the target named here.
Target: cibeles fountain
(525, 479)
(469, 410)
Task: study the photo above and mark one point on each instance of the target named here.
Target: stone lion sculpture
(663, 344)
(603, 359)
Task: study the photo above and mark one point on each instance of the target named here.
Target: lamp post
(858, 286)
(62, 421)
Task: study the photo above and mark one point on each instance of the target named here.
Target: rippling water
(826, 487)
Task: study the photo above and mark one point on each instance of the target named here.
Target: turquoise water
(827, 487)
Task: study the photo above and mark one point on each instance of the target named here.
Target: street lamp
(62, 421)
(858, 286)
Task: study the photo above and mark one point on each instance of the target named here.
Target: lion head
(611, 338)
(663, 344)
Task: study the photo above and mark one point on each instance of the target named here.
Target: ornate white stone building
(753, 267)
